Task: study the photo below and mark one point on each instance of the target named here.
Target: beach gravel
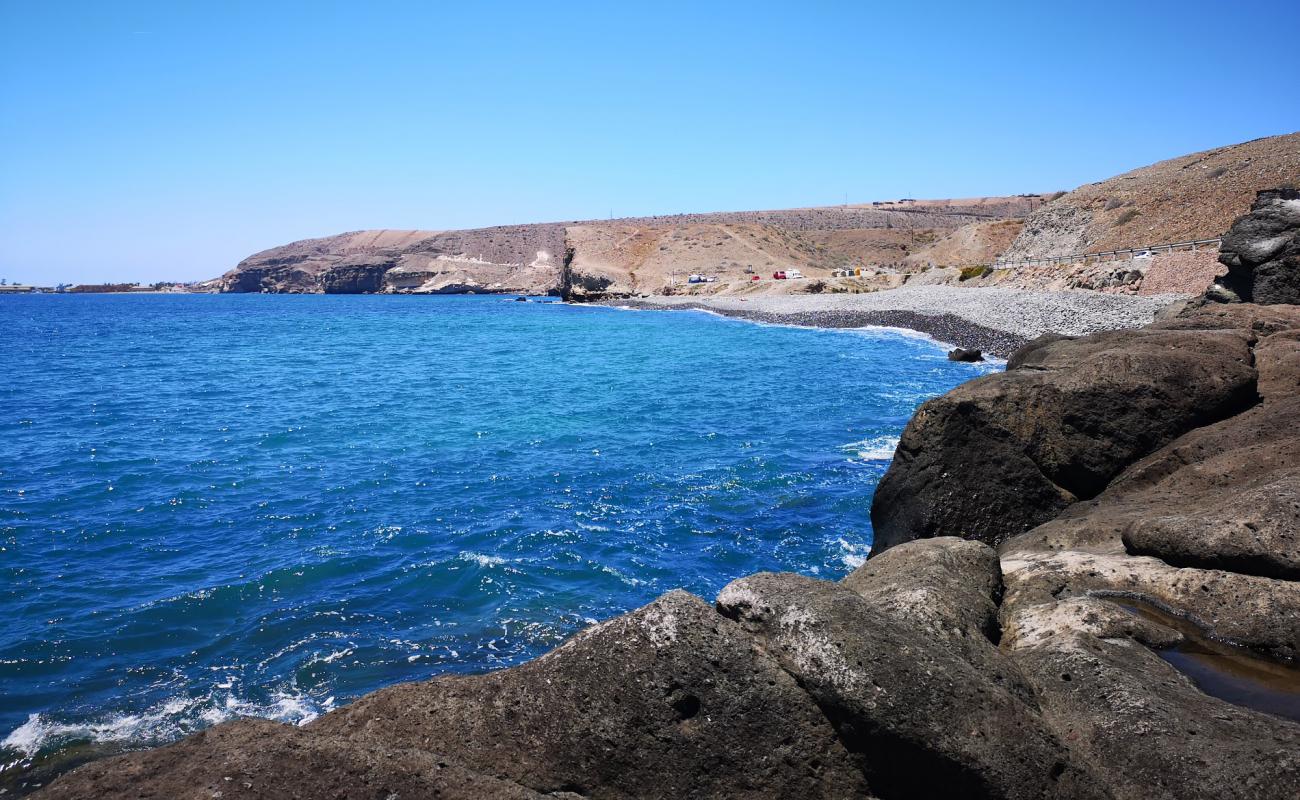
(996, 320)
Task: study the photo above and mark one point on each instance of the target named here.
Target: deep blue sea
(214, 506)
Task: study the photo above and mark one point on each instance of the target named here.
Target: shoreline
(996, 321)
(945, 330)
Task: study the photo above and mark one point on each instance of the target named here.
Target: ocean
(268, 505)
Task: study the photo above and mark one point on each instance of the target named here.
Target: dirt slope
(617, 257)
(1193, 197)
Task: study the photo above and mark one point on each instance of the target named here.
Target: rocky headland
(1083, 586)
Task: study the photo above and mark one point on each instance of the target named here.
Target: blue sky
(167, 140)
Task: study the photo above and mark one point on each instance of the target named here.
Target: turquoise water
(214, 506)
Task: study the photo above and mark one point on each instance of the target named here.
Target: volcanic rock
(270, 761)
(1262, 252)
(1150, 730)
(925, 722)
(671, 700)
(1005, 452)
(959, 354)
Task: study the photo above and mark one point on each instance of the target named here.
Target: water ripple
(221, 506)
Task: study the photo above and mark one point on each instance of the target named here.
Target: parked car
(794, 273)
(779, 275)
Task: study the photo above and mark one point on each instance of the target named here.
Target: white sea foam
(875, 448)
(852, 554)
(168, 720)
(481, 560)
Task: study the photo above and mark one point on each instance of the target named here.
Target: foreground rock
(669, 701)
(261, 759)
(1151, 732)
(928, 719)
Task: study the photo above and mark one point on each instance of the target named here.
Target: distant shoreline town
(163, 287)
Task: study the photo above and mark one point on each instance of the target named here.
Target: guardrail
(1106, 255)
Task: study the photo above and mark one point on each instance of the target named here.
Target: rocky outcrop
(520, 259)
(261, 759)
(1064, 419)
(970, 355)
(907, 704)
(1262, 252)
(634, 707)
(1150, 732)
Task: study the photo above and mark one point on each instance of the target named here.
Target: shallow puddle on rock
(1228, 672)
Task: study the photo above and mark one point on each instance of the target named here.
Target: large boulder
(925, 721)
(946, 590)
(1202, 527)
(1262, 252)
(943, 585)
(1003, 453)
(672, 700)
(1226, 496)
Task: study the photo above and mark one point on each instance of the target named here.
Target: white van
(793, 273)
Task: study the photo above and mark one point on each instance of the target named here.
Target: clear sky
(167, 140)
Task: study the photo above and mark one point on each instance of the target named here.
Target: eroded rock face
(1262, 252)
(1277, 358)
(1151, 732)
(925, 721)
(1002, 453)
(671, 700)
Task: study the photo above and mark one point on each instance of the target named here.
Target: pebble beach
(994, 320)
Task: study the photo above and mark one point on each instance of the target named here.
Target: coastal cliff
(1141, 491)
(623, 257)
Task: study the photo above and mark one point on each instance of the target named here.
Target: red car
(779, 275)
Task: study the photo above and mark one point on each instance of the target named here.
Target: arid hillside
(635, 255)
(1195, 196)
(891, 242)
